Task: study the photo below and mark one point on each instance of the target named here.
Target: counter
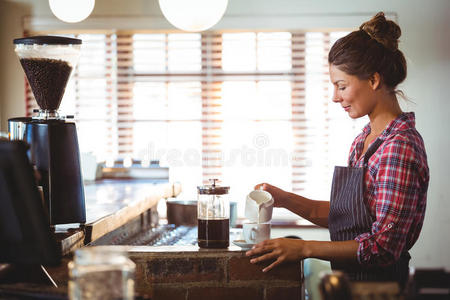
(119, 208)
(188, 272)
(111, 204)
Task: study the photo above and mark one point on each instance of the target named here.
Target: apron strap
(372, 149)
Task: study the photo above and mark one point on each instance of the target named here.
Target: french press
(213, 213)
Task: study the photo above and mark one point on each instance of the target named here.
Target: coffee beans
(48, 79)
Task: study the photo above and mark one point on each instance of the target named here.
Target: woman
(377, 203)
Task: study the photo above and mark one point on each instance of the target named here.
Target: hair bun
(383, 31)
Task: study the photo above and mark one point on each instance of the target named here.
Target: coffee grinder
(48, 62)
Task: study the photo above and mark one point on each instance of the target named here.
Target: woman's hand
(282, 250)
(278, 194)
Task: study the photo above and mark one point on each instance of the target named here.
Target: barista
(377, 205)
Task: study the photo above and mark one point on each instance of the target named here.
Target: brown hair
(372, 48)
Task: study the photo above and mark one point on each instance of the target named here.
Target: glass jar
(48, 62)
(213, 214)
(101, 272)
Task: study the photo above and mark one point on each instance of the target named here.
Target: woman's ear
(375, 81)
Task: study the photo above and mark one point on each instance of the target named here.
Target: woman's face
(356, 96)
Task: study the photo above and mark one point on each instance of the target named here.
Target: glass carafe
(101, 272)
(213, 213)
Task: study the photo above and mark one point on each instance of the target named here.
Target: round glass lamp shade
(71, 11)
(193, 15)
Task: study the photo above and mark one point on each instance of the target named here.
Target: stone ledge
(189, 272)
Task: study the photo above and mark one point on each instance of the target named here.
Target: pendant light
(193, 15)
(71, 11)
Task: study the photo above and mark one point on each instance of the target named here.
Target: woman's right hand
(278, 194)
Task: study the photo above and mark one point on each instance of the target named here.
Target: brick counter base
(185, 273)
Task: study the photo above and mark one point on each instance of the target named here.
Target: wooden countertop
(104, 198)
(111, 204)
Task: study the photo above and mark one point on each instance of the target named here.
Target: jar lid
(213, 189)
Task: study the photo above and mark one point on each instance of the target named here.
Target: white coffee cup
(259, 206)
(255, 232)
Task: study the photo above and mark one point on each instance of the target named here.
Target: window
(244, 107)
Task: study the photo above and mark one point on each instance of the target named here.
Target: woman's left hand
(282, 250)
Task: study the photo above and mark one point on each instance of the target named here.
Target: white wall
(425, 41)
(12, 100)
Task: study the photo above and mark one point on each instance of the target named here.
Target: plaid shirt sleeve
(397, 195)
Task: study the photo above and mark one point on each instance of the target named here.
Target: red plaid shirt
(396, 183)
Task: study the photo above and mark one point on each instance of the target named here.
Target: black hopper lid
(47, 40)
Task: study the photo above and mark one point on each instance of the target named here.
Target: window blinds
(243, 107)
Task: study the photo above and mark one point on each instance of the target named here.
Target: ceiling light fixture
(71, 11)
(193, 15)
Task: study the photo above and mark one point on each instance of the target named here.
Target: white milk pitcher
(259, 206)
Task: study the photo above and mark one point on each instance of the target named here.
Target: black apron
(349, 217)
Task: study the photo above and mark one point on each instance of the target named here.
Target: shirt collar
(403, 122)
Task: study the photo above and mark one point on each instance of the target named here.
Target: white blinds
(244, 107)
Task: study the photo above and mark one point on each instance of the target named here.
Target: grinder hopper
(48, 62)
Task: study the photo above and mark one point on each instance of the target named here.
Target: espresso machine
(48, 62)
